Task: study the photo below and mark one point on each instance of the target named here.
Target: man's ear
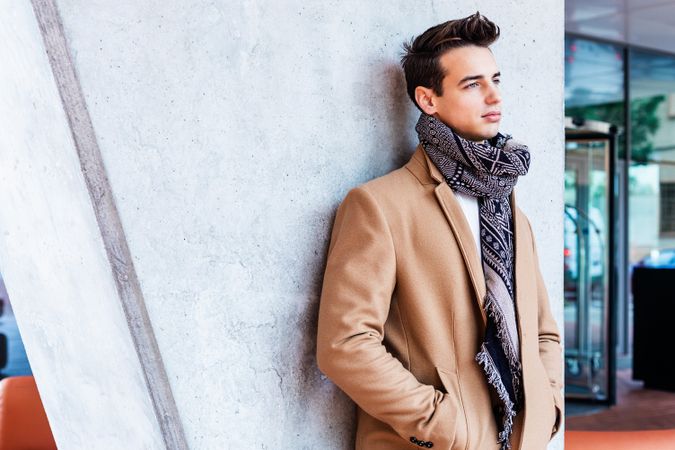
(426, 99)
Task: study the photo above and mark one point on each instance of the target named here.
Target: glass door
(588, 362)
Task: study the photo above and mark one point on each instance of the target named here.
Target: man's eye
(472, 85)
(496, 81)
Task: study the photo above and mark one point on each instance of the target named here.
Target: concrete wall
(229, 132)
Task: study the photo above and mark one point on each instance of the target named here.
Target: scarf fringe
(485, 361)
(511, 355)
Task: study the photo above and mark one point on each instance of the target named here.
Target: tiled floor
(636, 409)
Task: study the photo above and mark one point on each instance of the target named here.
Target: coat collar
(427, 173)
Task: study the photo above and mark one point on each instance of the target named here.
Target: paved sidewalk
(636, 409)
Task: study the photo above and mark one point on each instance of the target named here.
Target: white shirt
(469, 205)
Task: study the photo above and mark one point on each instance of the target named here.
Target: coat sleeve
(550, 350)
(358, 284)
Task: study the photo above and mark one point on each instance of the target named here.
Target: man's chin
(477, 135)
(489, 134)
(480, 137)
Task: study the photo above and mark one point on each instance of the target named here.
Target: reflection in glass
(594, 83)
(13, 360)
(594, 91)
(652, 170)
(586, 267)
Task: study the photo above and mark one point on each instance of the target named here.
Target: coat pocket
(451, 385)
(557, 418)
(552, 411)
(550, 406)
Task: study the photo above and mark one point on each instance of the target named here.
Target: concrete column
(64, 270)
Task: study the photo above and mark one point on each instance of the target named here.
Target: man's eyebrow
(477, 77)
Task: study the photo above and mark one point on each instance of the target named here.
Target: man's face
(471, 101)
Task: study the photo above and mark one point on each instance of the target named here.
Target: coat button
(413, 439)
(430, 444)
(421, 443)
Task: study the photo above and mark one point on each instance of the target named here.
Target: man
(434, 317)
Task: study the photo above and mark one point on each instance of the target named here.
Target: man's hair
(421, 60)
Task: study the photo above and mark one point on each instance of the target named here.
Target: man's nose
(493, 95)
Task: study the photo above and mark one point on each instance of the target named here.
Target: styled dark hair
(420, 61)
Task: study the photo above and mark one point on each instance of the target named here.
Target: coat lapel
(462, 231)
(523, 269)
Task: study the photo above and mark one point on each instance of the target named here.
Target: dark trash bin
(654, 326)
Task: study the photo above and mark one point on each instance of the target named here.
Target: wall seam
(110, 225)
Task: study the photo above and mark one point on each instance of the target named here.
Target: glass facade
(13, 360)
(594, 91)
(601, 78)
(652, 165)
(587, 262)
(594, 83)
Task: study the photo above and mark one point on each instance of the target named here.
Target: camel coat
(401, 320)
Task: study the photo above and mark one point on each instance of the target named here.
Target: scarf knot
(480, 169)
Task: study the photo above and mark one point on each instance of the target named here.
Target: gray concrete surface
(230, 131)
(107, 217)
(54, 263)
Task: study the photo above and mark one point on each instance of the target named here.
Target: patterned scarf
(488, 171)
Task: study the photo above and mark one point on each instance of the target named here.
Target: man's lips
(494, 116)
